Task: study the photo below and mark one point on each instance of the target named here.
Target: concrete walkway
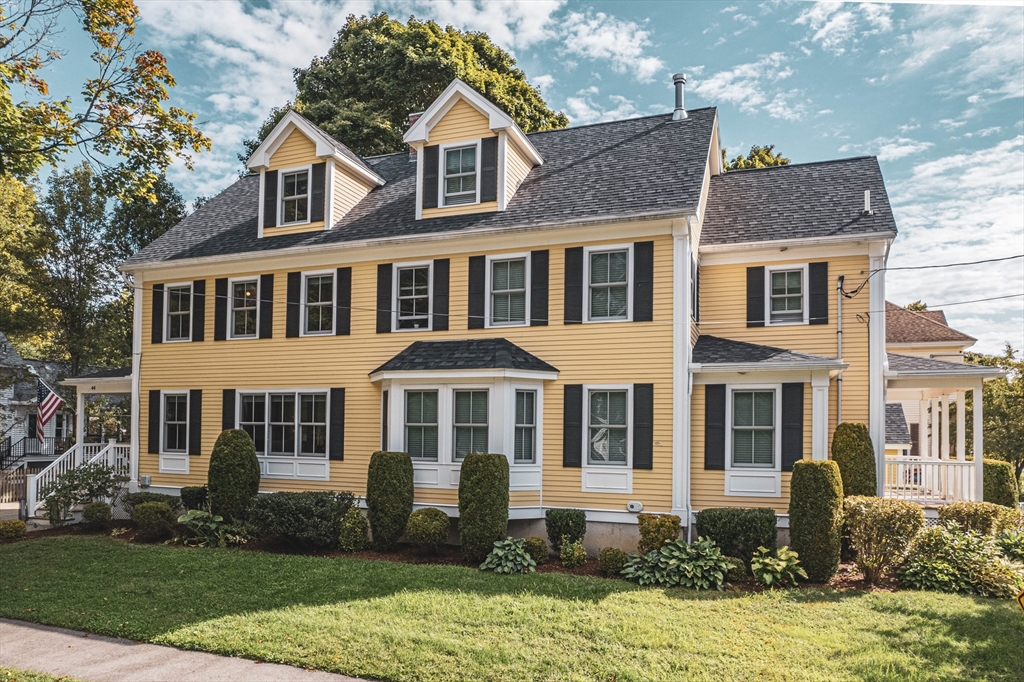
(105, 659)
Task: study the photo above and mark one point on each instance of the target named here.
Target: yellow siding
(482, 207)
(947, 353)
(316, 226)
(348, 191)
(462, 122)
(297, 150)
(516, 169)
(619, 352)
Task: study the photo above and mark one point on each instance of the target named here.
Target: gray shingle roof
(111, 373)
(803, 200)
(712, 350)
(464, 354)
(896, 430)
(625, 168)
(911, 364)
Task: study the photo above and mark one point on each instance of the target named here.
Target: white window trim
(267, 460)
(804, 287)
(587, 250)
(173, 462)
(488, 292)
(231, 310)
(441, 168)
(429, 264)
(694, 293)
(167, 311)
(334, 302)
(607, 478)
(738, 476)
(280, 194)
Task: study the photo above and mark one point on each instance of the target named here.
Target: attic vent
(867, 202)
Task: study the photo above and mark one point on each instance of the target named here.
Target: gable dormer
(471, 156)
(308, 180)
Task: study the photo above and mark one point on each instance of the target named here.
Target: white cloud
(544, 82)
(836, 26)
(622, 43)
(824, 111)
(510, 24)
(985, 132)
(889, 148)
(583, 107)
(782, 107)
(747, 85)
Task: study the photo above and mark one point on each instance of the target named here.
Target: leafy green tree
(759, 157)
(379, 70)
(1003, 410)
(917, 306)
(22, 242)
(137, 220)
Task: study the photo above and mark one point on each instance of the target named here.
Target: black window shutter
(489, 169)
(430, 170)
(336, 448)
(792, 425)
(154, 423)
(755, 297)
(714, 426)
(220, 309)
(199, 310)
(539, 288)
(477, 291)
(440, 302)
(291, 313)
(269, 198)
(572, 426)
(818, 293)
(574, 285)
(317, 194)
(266, 306)
(227, 413)
(158, 314)
(643, 426)
(383, 298)
(643, 281)
(343, 312)
(195, 421)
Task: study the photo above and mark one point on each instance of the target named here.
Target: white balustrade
(929, 481)
(110, 453)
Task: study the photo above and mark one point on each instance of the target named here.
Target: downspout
(839, 349)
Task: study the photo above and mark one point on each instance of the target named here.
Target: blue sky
(936, 91)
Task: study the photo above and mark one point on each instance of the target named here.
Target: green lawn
(418, 622)
(16, 675)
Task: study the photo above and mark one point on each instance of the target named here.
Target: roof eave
(736, 367)
(482, 373)
(799, 241)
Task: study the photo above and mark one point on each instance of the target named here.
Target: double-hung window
(175, 422)
(319, 304)
(295, 197)
(470, 423)
(413, 297)
(253, 420)
(312, 425)
(285, 423)
(526, 428)
(460, 176)
(179, 313)
(786, 296)
(508, 291)
(421, 425)
(282, 424)
(244, 308)
(608, 439)
(753, 429)
(609, 284)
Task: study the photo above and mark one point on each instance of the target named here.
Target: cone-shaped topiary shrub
(483, 504)
(1000, 483)
(389, 492)
(853, 452)
(234, 476)
(816, 516)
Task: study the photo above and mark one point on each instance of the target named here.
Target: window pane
(617, 268)
(598, 268)
(793, 282)
(524, 407)
(617, 408)
(616, 301)
(764, 413)
(462, 407)
(517, 307)
(469, 160)
(742, 447)
(794, 303)
(430, 407)
(742, 409)
(517, 274)
(453, 161)
(778, 283)
(764, 446)
(479, 407)
(499, 275)
(599, 302)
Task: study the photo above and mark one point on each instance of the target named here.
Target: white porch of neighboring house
(924, 464)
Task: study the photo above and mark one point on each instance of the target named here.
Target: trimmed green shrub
(538, 549)
(880, 531)
(234, 476)
(509, 556)
(572, 553)
(193, 497)
(97, 515)
(12, 528)
(1011, 545)
(781, 568)
(131, 500)
(1011, 520)
(310, 520)
(737, 570)
(389, 492)
(483, 503)
(355, 531)
(569, 522)
(816, 516)
(611, 561)
(853, 452)
(699, 566)
(656, 531)
(999, 482)
(981, 517)
(947, 559)
(154, 519)
(427, 528)
(739, 532)
(208, 530)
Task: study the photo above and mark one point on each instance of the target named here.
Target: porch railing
(929, 481)
(11, 453)
(110, 453)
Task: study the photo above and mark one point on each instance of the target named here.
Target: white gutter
(811, 241)
(732, 367)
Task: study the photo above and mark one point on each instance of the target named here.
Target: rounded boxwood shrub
(389, 493)
(483, 503)
(234, 476)
(427, 528)
(656, 531)
(739, 532)
(193, 497)
(1000, 485)
(737, 570)
(154, 519)
(569, 522)
(572, 553)
(880, 532)
(97, 515)
(853, 452)
(611, 561)
(981, 517)
(11, 529)
(355, 531)
(816, 516)
(538, 549)
(310, 520)
(130, 500)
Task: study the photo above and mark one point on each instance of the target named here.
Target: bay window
(470, 423)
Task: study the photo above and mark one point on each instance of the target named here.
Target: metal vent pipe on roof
(679, 80)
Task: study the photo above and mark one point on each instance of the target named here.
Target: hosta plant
(780, 570)
(509, 556)
(699, 566)
(948, 559)
(1011, 545)
(209, 530)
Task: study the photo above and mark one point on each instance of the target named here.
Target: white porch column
(933, 419)
(979, 450)
(819, 415)
(80, 415)
(878, 360)
(944, 421)
(961, 425)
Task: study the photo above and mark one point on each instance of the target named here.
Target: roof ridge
(605, 123)
(803, 163)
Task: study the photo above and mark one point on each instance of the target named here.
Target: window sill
(177, 340)
(329, 332)
(607, 479)
(753, 483)
(795, 323)
(607, 320)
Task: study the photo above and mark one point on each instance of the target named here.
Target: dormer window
(295, 197)
(460, 168)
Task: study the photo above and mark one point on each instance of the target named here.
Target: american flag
(49, 403)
